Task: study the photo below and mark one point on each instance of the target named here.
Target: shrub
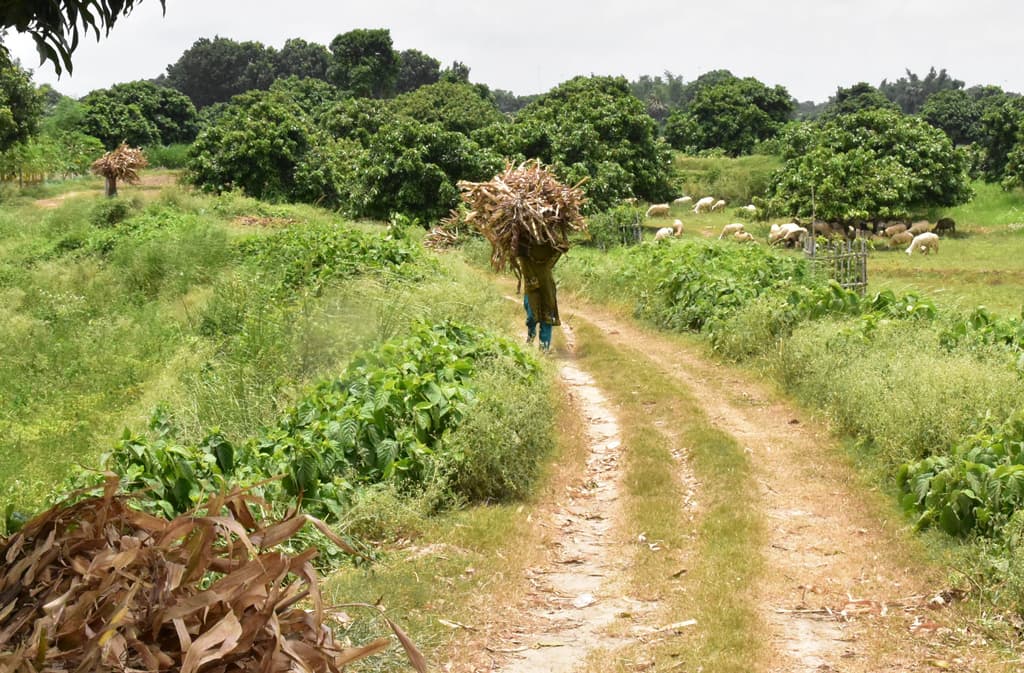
(108, 212)
(168, 156)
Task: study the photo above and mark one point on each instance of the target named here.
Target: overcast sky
(528, 46)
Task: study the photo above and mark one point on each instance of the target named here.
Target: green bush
(108, 212)
(496, 453)
(168, 156)
(613, 227)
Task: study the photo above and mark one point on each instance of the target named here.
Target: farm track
(841, 590)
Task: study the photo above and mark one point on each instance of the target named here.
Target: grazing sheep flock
(683, 201)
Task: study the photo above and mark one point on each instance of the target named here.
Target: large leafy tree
(20, 104)
(457, 107)
(912, 92)
(267, 145)
(364, 63)
(139, 113)
(593, 128)
(412, 168)
(54, 25)
(733, 114)
(868, 165)
(302, 59)
(416, 69)
(955, 112)
(212, 71)
(860, 96)
(1001, 130)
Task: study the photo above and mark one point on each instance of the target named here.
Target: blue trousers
(531, 326)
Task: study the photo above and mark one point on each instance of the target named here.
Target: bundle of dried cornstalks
(98, 586)
(121, 164)
(524, 204)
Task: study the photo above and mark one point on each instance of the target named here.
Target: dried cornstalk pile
(446, 233)
(98, 586)
(121, 164)
(525, 202)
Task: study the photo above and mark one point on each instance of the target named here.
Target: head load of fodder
(98, 586)
(525, 205)
(120, 164)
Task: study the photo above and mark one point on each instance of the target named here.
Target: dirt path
(839, 593)
(575, 595)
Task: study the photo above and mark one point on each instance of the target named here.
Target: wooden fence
(841, 259)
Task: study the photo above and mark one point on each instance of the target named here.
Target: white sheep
(704, 205)
(750, 208)
(730, 229)
(791, 232)
(743, 237)
(658, 210)
(683, 200)
(719, 204)
(665, 232)
(927, 242)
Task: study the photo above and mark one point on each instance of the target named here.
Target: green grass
(737, 181)
(720, 550)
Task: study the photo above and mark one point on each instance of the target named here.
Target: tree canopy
(729, 113)
(212, 71)
(860, 96)
(139, 113)
(912, 92)
(593, 128)
(457, 107)
(364, 63)
(20, 105)
(54, 25)
(874, 164)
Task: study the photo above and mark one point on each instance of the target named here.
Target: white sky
(528, 46)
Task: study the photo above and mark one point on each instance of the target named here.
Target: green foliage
(267, 145)
(593, 128)
(385, 418)
(364, 63)
(457, 107)
(20, 105)
(1002, 129)
(212, 71)
(108, 212)
(301, 59)
(54, 27)
(983, 328)
(913, 93)
(738, 180)
(416, 69)
(412, 168)
(870, 165)
(317, 253)
(614, 226)
(733, 115)
(168, 156)
(857, 98)
(975, 488)
(139, 113)
(956, 113)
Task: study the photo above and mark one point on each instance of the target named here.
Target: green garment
(535, 264)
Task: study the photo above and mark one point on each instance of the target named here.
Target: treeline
(362, 127)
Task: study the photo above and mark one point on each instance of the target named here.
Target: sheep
(675, 230)
(750, 208)
(789, 233)
(719, 204)
(658, 210)
(630, 200)
(920, 227)
(730, 229)
(704, 205)
(894, 229)
(900, 239)
(927, 242)
(743, 237)
(944, 225)
(683, 201)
